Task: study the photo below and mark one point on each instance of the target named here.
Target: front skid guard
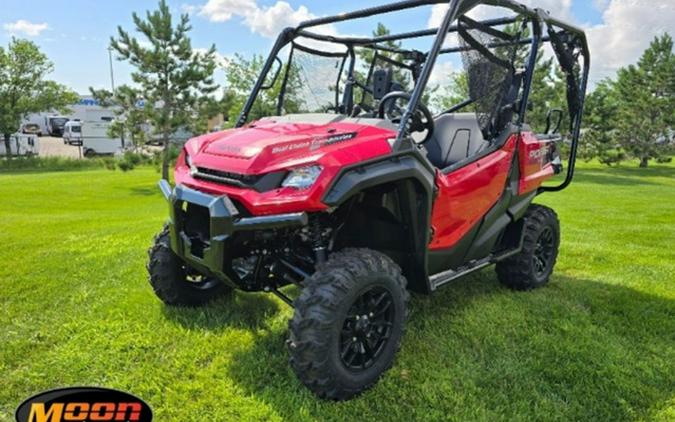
(224, 222)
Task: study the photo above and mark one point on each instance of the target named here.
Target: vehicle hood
(267, 145)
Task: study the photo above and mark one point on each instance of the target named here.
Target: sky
(75, 34)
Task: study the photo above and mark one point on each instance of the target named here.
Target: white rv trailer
(95, 138)
(72, 133)
(21, 145)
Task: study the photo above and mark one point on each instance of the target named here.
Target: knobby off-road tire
(532, 267)
(348, 323)
(171, 282)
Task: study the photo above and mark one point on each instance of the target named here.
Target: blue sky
(75, 33)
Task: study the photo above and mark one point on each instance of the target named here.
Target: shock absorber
(317, 238)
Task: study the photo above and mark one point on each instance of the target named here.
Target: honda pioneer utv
(345, 177)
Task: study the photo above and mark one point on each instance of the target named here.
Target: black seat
(456, 138)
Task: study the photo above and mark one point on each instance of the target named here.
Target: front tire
(174, 283)
(532, 266)
(348, 323)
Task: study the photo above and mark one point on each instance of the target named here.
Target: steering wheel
(421, 120)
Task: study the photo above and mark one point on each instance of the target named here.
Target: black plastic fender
(412, 171)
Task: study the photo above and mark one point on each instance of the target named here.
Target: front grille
(260, 183)
(227, 178)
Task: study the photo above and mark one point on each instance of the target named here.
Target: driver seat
(456, 137)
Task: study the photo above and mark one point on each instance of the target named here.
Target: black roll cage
(559, 34)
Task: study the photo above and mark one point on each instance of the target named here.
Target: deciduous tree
(24, 88)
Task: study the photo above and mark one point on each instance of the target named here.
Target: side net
(489, 58)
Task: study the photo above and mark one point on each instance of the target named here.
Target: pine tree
(170, 74)
(646, 103)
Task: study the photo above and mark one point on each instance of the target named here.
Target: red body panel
(467, 194)
(534, 158)
(464, 196)
(266, 147)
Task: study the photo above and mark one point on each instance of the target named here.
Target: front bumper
(210, 256)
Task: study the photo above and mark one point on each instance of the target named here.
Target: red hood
(267, 146)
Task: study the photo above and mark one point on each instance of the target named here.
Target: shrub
(46, 164)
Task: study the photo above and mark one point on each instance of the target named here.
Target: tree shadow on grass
(578, 349)
(667, 171)
(241, 310)
(613, 180)
(145, 191)
(625, 176)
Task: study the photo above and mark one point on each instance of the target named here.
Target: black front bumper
(211, 255)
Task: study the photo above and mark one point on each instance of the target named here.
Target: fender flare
(382, 170)
(402, 167)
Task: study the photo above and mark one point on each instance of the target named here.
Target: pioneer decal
(538, 155)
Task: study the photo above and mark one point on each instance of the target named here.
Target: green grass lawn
(597, 344)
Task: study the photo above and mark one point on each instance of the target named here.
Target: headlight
(188, 161)
(302, 178)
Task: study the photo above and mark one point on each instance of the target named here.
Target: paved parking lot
(54, 147)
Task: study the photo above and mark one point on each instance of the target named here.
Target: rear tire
(172, 280)
(348, 323)
(532, 266)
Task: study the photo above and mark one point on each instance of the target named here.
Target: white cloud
(267, 21)
(221, 60)
(437, 13)
(23, 27)
(600, 4)
(224, 10)
(442, 74)
(627, 29)
(561, 9)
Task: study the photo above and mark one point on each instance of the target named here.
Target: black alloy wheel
(366, 329)
(544, 252)
(532, 266)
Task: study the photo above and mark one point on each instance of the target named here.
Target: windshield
(312, 81)
(324, 77)
(475, 72)
(59, 121)
(76, 129)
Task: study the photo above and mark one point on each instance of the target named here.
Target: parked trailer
(72, 133)
(21, 145)
(95, 139)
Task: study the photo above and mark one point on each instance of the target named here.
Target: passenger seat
(456, 137)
